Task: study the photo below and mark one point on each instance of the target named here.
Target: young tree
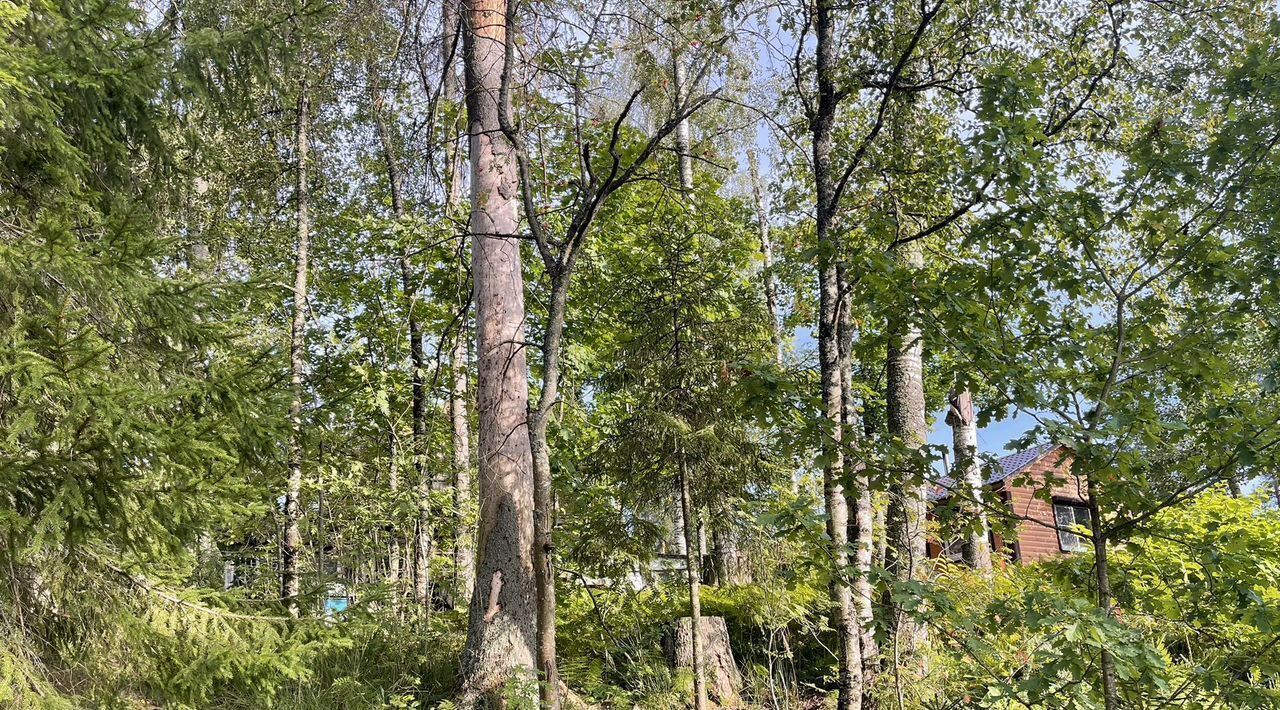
(759, 193)
(822, 124)
(291, 545)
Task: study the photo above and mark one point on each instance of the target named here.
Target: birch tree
(291, 547)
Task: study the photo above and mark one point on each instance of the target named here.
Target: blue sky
(991, 439)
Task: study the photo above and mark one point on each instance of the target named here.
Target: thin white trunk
(906, 552)
(464, 538)
(845, 619)
(766, 250)
(692, 544)
(290, 578)
(968, 472)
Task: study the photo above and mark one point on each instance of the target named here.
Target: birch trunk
(464, 555)
(904, 521)
(766, 251)
(290, 580)
(862, 512)
(416, 358)
(393, 544)
(692, 544)
(845, 620)
(968, 472)
(501, 632)
(452, 88)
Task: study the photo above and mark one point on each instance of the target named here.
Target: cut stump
(723, 680)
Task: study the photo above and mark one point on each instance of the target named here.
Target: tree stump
(723, 680)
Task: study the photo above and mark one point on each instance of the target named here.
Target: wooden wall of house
(1036, 540)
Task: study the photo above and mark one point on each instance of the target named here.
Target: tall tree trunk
(1102, 572)
(729, 565)
(503, 618)
(871, 425)
(683, 139)
(823, 121)
(452, 88)
(460, 427)
(968, 473)
(862, 517)
(544, 562)
(766, 250)
(692, 543)
(290, 580)
(393, 544)
(464, 554)
(905, 518)
(422, 545)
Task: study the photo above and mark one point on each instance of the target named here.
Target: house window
(1069, 516)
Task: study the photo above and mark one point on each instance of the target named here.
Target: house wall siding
(1036, 540)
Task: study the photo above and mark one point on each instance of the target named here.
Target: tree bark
(393, 544)
(766, 251)
(290, 580)
(1101, 571)
(683, 140)
(730, 566)
(452, 88)
(862, 518)
(905, 518)
(460, 430)
(822, 124)
(692, 544)
(693, 571)
(422, 547)
(968, 472)
(502, 627)
(544, 563)
(905, 552)
(723, 678)
(460, 427)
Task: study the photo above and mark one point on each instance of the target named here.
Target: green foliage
(1183, 636)
(612, 640)
(1095, 185)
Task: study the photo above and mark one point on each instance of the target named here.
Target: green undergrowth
(90, 638)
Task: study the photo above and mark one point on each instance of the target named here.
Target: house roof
(1014, 463)
(1006, 467)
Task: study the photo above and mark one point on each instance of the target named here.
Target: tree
(967, 471)
(600, 173)
(826, 185)
(290, 580)
(503, 624)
